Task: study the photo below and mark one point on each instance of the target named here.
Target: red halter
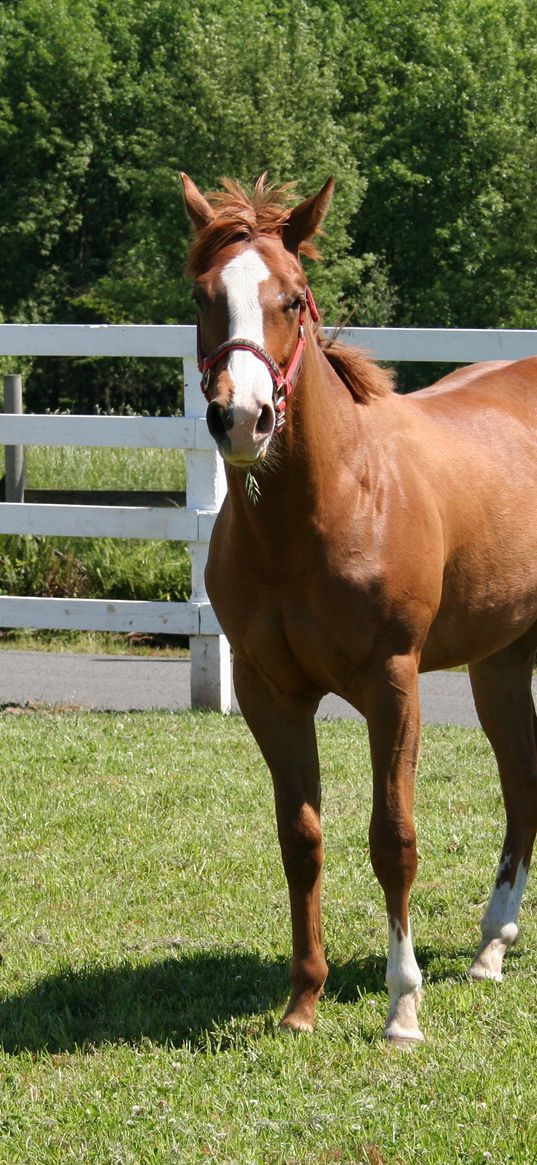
(283, 382)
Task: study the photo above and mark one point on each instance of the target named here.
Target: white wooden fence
(210, 671)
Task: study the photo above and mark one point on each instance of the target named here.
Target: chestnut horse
(365, 536)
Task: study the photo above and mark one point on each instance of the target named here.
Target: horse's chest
(298, 638)
(327, 643)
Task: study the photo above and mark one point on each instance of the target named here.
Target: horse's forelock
(242, 217)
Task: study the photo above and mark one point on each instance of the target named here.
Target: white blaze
(241, 279)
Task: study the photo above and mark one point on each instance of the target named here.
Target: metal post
(15, 470)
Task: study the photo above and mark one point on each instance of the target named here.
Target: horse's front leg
(392, 710)
(287, 741)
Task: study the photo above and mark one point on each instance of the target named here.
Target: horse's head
(252, 299)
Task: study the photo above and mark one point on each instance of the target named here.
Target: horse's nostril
(265, 422)
(219, 420)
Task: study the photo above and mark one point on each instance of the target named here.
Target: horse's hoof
(402, 1027)
(295, 1027)
(406, 1040)
(488, 961)
(480, 973)
(404, 1043)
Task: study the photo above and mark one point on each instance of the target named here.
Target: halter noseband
(283, 382)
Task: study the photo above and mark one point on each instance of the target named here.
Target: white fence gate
(205, 480)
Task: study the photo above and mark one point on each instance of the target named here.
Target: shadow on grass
(172, 1001)
(205, 1001)
(348, 982)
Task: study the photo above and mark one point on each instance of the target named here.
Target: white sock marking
(501, 916)
(402, 974)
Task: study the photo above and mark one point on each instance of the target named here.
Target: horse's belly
(479, 621)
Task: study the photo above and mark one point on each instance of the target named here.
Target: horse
(365, 536)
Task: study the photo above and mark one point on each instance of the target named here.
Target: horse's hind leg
(502, 691)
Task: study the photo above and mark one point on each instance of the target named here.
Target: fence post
(210, 675)
(14, 454)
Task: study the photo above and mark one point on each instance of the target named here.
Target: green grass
(73, 468)
(94, 642)
(99, 567)
(145, 948)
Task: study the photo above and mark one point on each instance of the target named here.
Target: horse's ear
(306, 219)
(198, 209)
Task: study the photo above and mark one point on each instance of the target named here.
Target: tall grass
(98, 568)
(66, 467)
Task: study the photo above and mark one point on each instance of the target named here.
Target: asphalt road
(141, 683)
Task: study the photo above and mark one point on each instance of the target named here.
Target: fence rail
(210, 682)
(127, 432)
(453, 345)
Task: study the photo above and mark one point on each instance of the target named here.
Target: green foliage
(96, 568)
(452, 161)
(227, 89)
(55, 101)
(425, 112)
(111, 385)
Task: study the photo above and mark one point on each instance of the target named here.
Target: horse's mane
(243, 217)
(359, 373)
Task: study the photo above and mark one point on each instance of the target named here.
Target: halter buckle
(280, 404)
(205, 381)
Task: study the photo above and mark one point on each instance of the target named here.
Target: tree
(55, 99)
(449, 150)
(424, 110)
(104, 105)
(227, 89)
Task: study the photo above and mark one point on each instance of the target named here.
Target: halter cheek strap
(283, 382)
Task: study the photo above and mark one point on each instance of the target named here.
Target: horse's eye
(294, 304)
(198, 297)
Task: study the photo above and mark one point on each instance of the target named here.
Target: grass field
(145, 946)
(98, 567)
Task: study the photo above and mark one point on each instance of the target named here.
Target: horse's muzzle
(242, 435)
(219, 421)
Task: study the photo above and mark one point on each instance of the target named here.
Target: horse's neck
(323, 423)
(319, 442)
